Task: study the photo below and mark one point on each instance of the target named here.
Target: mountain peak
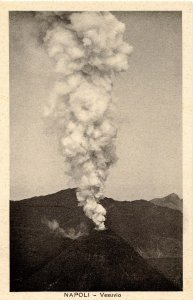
(172, 201)
(173, 195)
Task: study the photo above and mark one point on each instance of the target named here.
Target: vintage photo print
(99, 116)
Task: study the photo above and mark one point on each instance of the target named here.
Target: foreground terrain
(141, 250)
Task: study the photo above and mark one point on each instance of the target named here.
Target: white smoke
(70, 233)
(87, 49)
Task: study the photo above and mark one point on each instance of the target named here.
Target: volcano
(124, 257)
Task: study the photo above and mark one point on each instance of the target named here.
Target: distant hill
(171, 201)
(153, 234)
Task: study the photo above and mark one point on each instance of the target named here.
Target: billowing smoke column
(87, 49)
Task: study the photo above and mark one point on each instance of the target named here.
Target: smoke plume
(87, 49)
(70, 233)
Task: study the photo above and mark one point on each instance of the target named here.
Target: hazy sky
(149, 111)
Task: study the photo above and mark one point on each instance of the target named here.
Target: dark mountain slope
(32, 243)
(154, 232)
(100, 262)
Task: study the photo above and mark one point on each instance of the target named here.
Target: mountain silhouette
(142, 244)
(171, 201)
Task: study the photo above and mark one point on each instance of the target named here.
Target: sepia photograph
(96, 151)
(95, 122)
